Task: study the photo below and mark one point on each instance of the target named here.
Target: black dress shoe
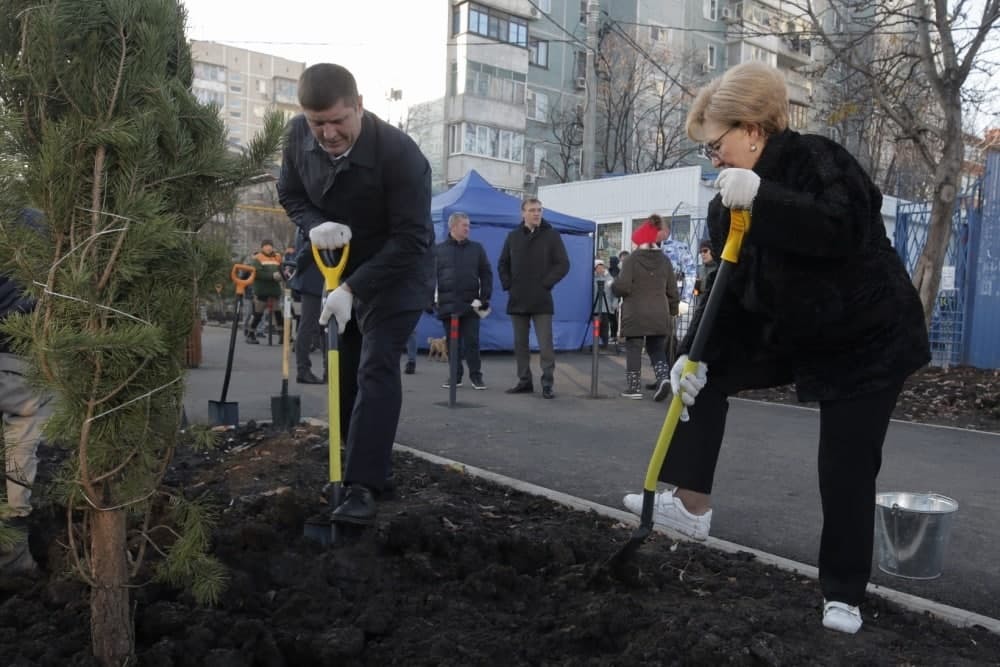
(521, 388)
(358, 506)
(308, 378)
(547, 392)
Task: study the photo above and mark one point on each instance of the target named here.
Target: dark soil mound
(458, 571)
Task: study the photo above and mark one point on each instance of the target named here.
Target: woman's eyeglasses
(711, 149)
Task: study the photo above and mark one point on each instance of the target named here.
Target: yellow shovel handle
(329, 266)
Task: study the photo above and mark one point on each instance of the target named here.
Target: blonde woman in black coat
(819, 298)
(649, 295)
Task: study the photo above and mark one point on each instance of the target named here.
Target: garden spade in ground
(320, 528)
(222, 412)
(286, 411)
(739, 224)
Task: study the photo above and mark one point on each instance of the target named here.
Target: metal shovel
(222, 412)
(739, 224)
(320, 528)
(286, 411)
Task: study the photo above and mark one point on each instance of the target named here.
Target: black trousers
(468, 344)
(371, 395)
(852, 432)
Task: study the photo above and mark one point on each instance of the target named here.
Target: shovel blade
(224, 413)
(286, 411)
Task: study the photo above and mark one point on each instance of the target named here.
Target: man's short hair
(530, 200)
(324, 84)
(455, 217)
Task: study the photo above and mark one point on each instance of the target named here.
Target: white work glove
(338, 304)
(330, 235)
(687, 387)
(738, 187)
(682, 308)
(276, 276)
(476, 304)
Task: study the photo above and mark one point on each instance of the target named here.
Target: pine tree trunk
(111, 632)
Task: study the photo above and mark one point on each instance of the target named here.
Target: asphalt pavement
(766, 491)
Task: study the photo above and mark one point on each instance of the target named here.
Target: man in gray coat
(532, 262)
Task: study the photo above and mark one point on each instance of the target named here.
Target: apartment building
(531, 84)
(244, 84)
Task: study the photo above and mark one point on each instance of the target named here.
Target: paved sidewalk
(765, 496)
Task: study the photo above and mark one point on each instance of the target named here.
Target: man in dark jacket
(343, 164)
(532, 261)
(23, 411)
(464, 287)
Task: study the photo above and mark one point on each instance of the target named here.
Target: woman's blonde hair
(752, 93)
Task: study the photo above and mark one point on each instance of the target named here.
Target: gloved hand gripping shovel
(221, 412)
(322, 529)
(738, 226)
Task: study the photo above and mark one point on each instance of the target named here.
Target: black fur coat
(819, 296)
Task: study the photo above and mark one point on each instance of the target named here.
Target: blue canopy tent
(493, 214)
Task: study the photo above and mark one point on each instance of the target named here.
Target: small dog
(437, 349)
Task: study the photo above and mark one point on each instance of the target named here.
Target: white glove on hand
(687, 387)
(683, 308)
(330, 235)
(276, 276)
(338, 304)
(738, 187)
(476, 304)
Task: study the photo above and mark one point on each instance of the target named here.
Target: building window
(259, 111)
(583, 12)
(537, 106)
(797, 115)
(206, 96)
(207, 72)
(286, 90)
(538, 52)
(235, 103)
(658, 34)
(235, 77)
(711, 8)
(236, 89)
(545, 6)
(486, 141)
(456, 20)
(453, 79)
(235, 114)
(261, 86)
(710, 58)
(580, 64)
(497, 25)
(494, 83)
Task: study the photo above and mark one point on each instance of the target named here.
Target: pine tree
(101, 133)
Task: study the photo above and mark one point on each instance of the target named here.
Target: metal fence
(947, 332)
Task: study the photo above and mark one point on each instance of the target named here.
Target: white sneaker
(669, 512)
(841, 617)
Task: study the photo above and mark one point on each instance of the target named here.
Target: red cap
(645, 234)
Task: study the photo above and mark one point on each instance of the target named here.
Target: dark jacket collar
(452, 240)
(542, 225)
(770, 160)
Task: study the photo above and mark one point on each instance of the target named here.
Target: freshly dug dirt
(459, 572)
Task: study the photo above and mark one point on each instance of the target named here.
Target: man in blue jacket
(464, 288)
(348, 177)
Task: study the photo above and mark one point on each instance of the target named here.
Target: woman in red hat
(649, 295)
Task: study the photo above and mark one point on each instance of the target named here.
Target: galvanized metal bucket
(911, 533)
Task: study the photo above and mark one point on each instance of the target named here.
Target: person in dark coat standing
(532, 262)
(649, 302)
(819, 297)
(464, 288)
(348, 177)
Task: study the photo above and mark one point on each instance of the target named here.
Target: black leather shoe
(308, 378)
(358, 506)
(521, 388)
(547, 392)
